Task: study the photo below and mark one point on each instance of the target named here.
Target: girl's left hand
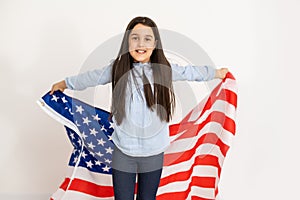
(221, 73)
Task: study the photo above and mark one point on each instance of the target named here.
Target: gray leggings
(126, 169)
(125, 163)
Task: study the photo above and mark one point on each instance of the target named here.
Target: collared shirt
(141, 132)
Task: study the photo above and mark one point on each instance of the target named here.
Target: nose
(141, 43)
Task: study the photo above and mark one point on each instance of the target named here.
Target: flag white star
(98, 162)
(79, 109)
(92, 153)
(54, 98)
(93, 132)
(103, 128)
(74, 151)
(91, 145)
(84, 135)
(99, 154)
(109, 137)
(70, 111)
(79, 142)
(72, 136)
(109, 150)
(106, 168)
(111, 125)
(64, 100)
(75, 159)
(95, 117)
(83, 154)
(86, 120)
(107, 161)
(77, 124)
(89, 164)
(101, 142)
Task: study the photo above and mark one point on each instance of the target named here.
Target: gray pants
(125, 163)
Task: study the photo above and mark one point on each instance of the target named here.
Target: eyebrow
(135, 34)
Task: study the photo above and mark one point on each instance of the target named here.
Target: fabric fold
(192, 163)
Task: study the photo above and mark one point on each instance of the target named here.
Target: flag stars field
(96, 118)
(86, 120)
(64, 100)
(101, 142)
(91, 145)
(54, 98)
(93, 132)
(109, 150)
(89, 164)
(106, 168)
(79, 109)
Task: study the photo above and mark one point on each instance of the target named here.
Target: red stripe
(208, 182)
(196, 181)
(88, 188)
(224, 94)
(229, 75)
(191, 129)
(205, 159)
(200, 198)
(177, 128)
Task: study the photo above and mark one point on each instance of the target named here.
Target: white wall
(43, 41)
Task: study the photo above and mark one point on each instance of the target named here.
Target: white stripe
(185, 144)
(198, 109)
(196, 191)
(208, 149)
(58, 194)
(231, 85)
(186, 165)
(183, 186)
(198, 170)
(57, 116)
(94, 177)
(219, 105)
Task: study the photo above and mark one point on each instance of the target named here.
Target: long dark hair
(163, 98)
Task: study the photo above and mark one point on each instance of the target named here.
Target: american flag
(192, 163)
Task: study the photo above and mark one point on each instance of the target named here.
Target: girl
(142, 105)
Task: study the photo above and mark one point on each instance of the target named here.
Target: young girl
(142, 105)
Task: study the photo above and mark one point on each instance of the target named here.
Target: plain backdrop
(42, 42)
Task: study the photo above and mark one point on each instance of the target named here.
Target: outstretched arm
(84, 80)
(196, 73)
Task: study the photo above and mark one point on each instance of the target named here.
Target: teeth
(141, 51)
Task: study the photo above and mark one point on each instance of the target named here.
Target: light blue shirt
(141, 132)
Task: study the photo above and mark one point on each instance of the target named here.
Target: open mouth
(140, 51)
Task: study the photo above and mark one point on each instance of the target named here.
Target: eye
(134, 38)
(148, 39)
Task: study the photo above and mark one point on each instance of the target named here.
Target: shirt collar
(140, 64)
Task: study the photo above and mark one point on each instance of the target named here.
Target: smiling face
(141, 43)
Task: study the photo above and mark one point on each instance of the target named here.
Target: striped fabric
(192, 163)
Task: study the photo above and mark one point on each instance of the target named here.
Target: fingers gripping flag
(192, 163)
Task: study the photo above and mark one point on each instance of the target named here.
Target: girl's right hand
(58, 86)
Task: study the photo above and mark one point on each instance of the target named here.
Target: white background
(43, 41)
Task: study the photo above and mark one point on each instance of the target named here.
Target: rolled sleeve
(192, 73)
(90, 78)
